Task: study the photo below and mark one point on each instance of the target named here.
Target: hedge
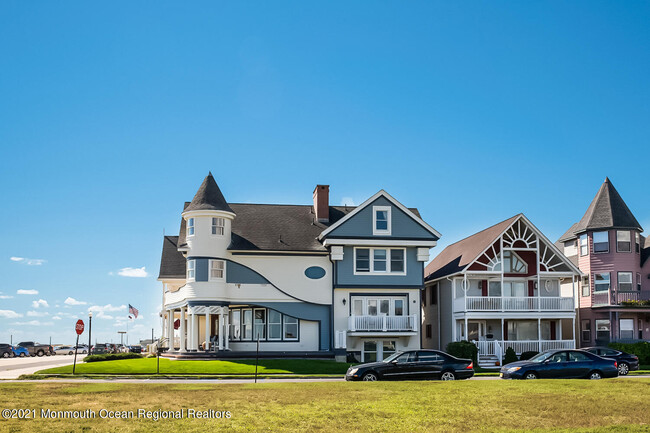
(640, 349)
(525, 356)
(510, 356)
(463, 349)
(111, 357)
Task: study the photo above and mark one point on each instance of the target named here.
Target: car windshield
(392, 357)
(540, 357)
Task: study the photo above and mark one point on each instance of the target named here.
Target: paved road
(11, 368)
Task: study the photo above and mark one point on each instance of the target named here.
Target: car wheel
(595, 375)
(40, 353)
(22, 355)
(623, 369)
(84, 352)
(530, 375)
(5, 355)
(448, 375)
(370, 377)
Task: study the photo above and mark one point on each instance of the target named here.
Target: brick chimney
(322, 203)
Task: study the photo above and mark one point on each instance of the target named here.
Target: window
(494, 288)
(623, 242)
(434, 294)
(235, 325)
(514, 264)
(369, 351)
(275, 325)
(190, 227)
(357, 307)
(372, 307)
(191, 270)
(247, 325)
(637, 243)
(362, 260)
(586, 330)
(407, 357)
(586, 290)
(602, 330)
(290, 328)
(378, 306)
(388, 349)
(381, 220)
(625, 281)
(384, 307)
(578, 357)
(259, 325)
(638, 282)
(428, 331)
(626, 328)
(601, 242)
(601, 282)
(584, 245)
(218, 225)
(380, 261)
(399, 307)
(216, 269)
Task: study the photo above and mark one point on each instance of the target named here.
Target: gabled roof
(606, 211)
(459, 255)
(172, 264)
(414, 215)
(209, 197)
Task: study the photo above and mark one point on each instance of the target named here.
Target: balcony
(383, 324)
(499, 303)
(624, 298)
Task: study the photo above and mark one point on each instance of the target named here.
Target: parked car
(37, 349)
(82, 348)
(414, 364)
(626, 361)
(64, 350)
(561, 364)
(98, 349)
(20, 351)
(136, 348)
(6, 351)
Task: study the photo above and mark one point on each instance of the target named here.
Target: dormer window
(218, 225)
(190, 227)
(217, 268)
(381, 220)
(191, 270)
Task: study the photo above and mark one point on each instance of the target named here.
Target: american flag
(133, 310)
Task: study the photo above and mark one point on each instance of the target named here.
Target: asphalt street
(11, 368)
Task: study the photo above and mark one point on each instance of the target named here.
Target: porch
(630, 298)
(382, 323)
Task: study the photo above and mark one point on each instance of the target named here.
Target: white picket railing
(558, 344)
(508, 303)
(382, 323)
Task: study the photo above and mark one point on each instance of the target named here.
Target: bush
(511, 356)
(640, 349)
(111, 357)
(525, 356)
(463, 349)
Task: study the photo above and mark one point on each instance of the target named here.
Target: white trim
(380, 242)
(375, 230)
(371, 262)
(370, 200)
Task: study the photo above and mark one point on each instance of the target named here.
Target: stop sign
(79, 327)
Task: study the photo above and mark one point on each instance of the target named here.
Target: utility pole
(90, 331)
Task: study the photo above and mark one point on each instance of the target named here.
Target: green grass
(560, 405)
(231, 367)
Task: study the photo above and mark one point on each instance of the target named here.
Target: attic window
(514, 264)
(381, 223)
(218, 225)
(190, 227)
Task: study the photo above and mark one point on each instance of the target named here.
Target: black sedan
(561, 364)
(626, 362)
(416, 364)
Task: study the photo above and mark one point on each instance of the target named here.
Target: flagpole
(127, 331)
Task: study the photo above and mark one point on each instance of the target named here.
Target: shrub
(511, 356)
(111, 357)
(525, 356)
(640, 349)
(463, 349)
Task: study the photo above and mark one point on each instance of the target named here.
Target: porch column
(182, 330)
(539, 285)
(226, 334)
(539, 333)
(466, 335)
(574, 332)
(190, 339)
(220, 331)
(454, 331)
(559, 330)
(207, 329)
(170, 328)
(195, 331)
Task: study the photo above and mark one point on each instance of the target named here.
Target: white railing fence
(509, 303)
(382, 323)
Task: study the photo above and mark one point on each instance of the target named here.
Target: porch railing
(498, 347)
(507, 303)
(619, 297)
(382, 323)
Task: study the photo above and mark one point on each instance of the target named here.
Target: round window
(315, 272)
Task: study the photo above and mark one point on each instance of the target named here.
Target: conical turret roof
(607, 211)
(209, 197)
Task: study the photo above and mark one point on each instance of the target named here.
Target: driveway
(11, 368)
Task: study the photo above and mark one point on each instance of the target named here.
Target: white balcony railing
(382, 323)
(507, 303)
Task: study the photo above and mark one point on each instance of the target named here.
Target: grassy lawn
(606, 405)
(230, 367)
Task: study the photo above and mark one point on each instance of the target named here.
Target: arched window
(513, 264)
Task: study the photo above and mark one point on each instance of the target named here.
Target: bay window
(290, 328)
(623, 241)
(259, 324)
(380, 261)
(601, 242)
(247, 324)
(275, 325)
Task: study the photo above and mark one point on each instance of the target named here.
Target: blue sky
(111, 115)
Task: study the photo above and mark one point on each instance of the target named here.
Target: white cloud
(26, 261)
(34, 323)
(56, 318)
(73, 301)
(5, 296)
(9, 314)
(40, 303)
(99, 311)
(27, 292)
(105, 316)
(133, 272)
(347, 201)
(37, 313)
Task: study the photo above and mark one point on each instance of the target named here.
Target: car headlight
(513, 369)
(351, 372)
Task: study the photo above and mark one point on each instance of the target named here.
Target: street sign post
(79, 328)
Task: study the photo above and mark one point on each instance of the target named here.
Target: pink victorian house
(614, 293)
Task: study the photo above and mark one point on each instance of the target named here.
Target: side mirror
(394, 361)
(547, 361)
